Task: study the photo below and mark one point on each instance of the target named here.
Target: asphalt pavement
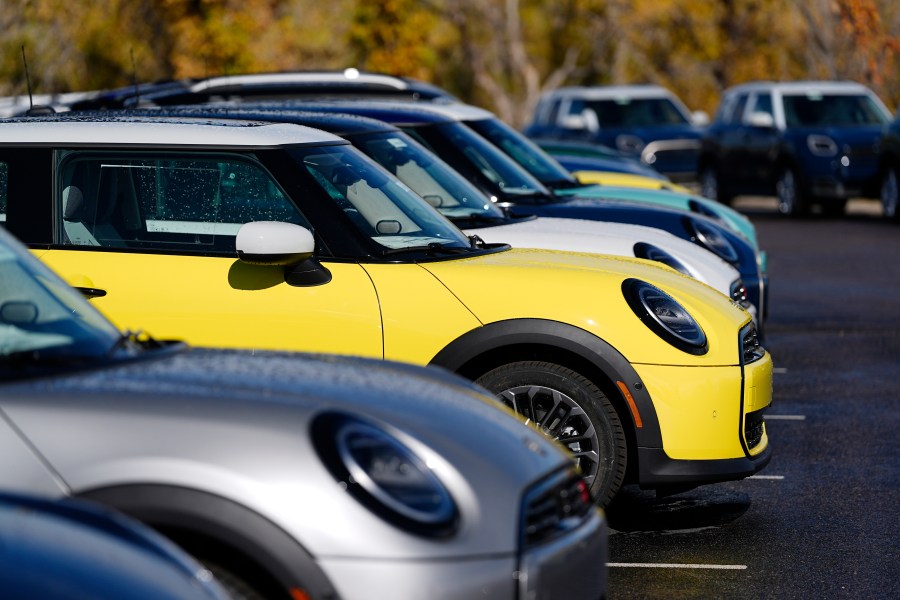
(822, 520)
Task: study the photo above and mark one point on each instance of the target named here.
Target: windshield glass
(427, 175)
(506, 177)
(522, 150)
(41, 317)
(816, 110)
(379, 205)
(620, 112)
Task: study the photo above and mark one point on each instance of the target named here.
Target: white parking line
(772, 477)
(785, 417)
(779, 370)
(677, 566)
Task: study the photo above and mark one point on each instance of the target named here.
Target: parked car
(254, 87)
(65, 549)
(446, 131)
(806, 142)
(889, 169)
(473, 212)
(562, 150)
(275, 236)
(643, 121)
(288, 476)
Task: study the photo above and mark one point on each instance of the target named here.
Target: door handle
(89, 292)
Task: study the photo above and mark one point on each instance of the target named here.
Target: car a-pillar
(569, 384)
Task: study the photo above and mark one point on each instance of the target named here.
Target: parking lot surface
(821, 521)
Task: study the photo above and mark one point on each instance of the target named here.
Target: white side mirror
(699, 118)
(274, 243)
(761, 119)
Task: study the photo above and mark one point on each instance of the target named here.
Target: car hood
(617, 239)
(585, 290)
(236, 424)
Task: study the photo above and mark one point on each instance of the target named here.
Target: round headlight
(702, 209)
(384, 475)
(651, 252)
(665, 316)
(710, 237)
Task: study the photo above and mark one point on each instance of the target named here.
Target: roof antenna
(32, 109)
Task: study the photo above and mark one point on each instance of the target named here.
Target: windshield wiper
(133, 342)
(478, 219)
(431, 248)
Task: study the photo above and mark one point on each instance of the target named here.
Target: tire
(890, 195)
(834, 207)
(711, 187)
(569, 408)
(791, 199)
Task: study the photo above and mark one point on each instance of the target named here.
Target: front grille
(751, 349)
(554, 506)
(754, 425)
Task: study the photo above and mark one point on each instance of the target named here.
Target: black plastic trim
(462, 353)
(658, 470)
(225, 521)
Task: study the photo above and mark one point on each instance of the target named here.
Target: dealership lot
(821, 520)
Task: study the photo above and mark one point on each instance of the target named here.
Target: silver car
(289, 476)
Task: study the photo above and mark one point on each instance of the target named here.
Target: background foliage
(500, 54)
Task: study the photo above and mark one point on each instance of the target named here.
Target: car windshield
(522, 150)
(379, 205)
(816, 110)
(427, 175)
(614, 113)
(42, 319)
(506, 177)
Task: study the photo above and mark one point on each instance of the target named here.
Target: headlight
(702, 209)
(821, 145)
(739, 293)
(708, 236)
(384, 475)
(651, 252)
(664, 316)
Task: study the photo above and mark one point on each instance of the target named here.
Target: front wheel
(890, 195)
(569, 408)
(711, 185)
(791, 201)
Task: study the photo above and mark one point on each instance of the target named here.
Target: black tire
(792, 200)
(834, 207)
(711, 185)
(569, 408)
(890, 194)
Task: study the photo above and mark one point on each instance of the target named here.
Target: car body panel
(190, 297)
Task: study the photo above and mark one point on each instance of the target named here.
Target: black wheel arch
(190, 517)
(480, 350)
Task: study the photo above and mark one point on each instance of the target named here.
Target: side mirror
(763, 120)
(274, 243)
(700, 118)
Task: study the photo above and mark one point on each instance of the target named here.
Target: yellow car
(274, 236)
(628, 180)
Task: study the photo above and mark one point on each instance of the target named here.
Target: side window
(737, 113)
(763, 103)
(4, 185)
(185, 204)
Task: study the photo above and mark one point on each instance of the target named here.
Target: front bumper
(572, 567)
(710, 422)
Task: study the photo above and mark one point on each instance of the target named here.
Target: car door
(153, 235)
(760, 140)
(727, 132)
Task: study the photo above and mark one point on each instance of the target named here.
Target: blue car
(642, 121)
(889, 167)
(807, 142)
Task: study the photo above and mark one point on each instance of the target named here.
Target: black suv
(807, 142)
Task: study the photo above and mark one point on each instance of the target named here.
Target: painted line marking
(772, 477)
(779, 370)
(677, 566)
(784, 417)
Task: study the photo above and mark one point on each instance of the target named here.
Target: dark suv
(807, 142)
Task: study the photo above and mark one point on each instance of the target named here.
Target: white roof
(158, 131)
(803, 87)
(346, 76)
(602, 92)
